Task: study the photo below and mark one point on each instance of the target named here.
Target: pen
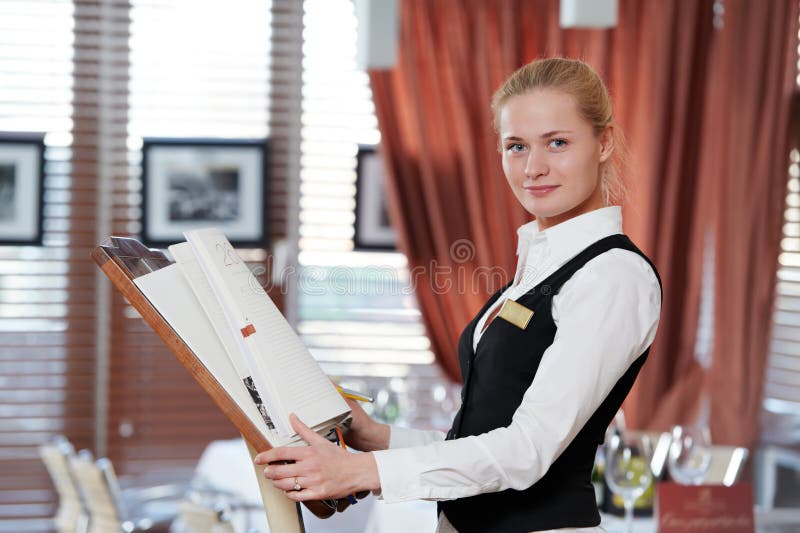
(353, 395)
(350, 497)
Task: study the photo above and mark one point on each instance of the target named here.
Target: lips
(541, 190)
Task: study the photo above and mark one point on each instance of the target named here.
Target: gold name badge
(515, 313)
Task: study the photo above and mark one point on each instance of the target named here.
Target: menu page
(282, 367)
(170, 294)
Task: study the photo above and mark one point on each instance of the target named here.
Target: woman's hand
(365, 434)
(321, 469)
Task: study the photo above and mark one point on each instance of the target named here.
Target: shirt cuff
(397, 484)
(442, 470)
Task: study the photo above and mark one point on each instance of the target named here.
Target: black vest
(496, 377)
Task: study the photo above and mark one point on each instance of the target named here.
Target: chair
(199, 518)
(772, 457)
(106, 504)
(104, 514)
(71, 517)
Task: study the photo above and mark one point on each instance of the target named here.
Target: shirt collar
(568, 238)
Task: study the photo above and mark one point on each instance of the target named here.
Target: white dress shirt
(606, 314)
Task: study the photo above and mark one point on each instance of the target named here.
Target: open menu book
(215, 304)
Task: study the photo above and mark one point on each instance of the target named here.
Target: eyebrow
(542, 136)
(551, 133)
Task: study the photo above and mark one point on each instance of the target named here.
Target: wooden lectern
(124, 259)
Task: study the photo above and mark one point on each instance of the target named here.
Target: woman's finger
(284, 453)
(288, 484)
(281, 471)
(295, 495)
(303, 495)
(308, 435)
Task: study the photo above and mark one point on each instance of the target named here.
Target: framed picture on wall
(373, 231)
(21, 185)
(192, 183)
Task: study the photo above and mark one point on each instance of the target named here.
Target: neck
(593, 202)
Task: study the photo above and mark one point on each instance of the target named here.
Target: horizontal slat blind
(782, 392)
(199, 69)
(781, 416)
(357, 311)
(46, 311)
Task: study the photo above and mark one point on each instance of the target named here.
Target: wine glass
(627, 469)
(689, 454)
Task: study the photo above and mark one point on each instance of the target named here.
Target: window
(356, 310)
(781, 416)
(95, 77)
(782, 388)
(45, 378)
(199, 69)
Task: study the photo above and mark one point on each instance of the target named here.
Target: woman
(540, 388)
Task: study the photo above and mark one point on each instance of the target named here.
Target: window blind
(783, 376)
(76, 360)
(781, 415)
(357, 312)
(782, 387)
(46, 357)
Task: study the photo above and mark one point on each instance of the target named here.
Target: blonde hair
(580, 81)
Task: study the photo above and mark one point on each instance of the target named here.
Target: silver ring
(297, 485)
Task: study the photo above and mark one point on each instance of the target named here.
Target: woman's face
(551, 156)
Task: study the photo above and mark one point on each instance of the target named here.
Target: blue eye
(515, 147)
(558, 143)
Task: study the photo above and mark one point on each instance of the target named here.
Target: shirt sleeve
(607, 315)
(400, 437)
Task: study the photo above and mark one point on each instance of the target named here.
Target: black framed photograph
(198, 183)
(21, 186)
(373, 230)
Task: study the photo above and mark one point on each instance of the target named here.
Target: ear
(606, 143)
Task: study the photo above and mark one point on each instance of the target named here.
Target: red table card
(705, 508)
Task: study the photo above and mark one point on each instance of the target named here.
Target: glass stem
(629, 514)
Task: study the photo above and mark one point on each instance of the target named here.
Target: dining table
(226, 467)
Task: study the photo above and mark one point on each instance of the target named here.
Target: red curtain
(664, 64)
(755, 66)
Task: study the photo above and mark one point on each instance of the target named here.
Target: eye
(515, 147)
(557, 143)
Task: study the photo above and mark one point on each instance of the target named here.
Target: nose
(536, 165)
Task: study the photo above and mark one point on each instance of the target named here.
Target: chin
(550, 208)
(545, 211)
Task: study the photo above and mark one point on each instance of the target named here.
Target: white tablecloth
(226, 466)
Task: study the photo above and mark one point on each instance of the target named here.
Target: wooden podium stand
(124, 259)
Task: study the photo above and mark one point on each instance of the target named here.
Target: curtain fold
(664, 65)
(755, 64)
(667, 214)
